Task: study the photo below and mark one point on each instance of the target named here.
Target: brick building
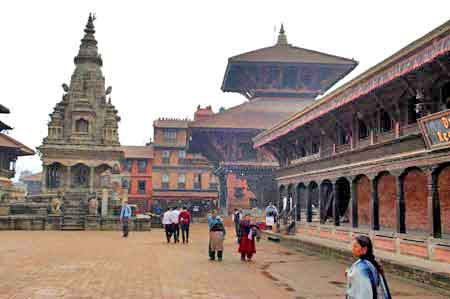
(136, 171)
(372, 156)
(180, 178)
(271, 80)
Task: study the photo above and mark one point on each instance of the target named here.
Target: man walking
(167, 224)
(125, 216)
(174, 219)
(184, 219)
(237, 221)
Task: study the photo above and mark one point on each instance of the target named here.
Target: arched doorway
(415, 197)
(98, 172)
(362, 197)
(326, 201)
(55, 176)
(301, 195)
(80, 176)
(313, 212)
(343, 200)
(387, 195)
(443, 183)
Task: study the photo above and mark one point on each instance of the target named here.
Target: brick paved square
(96, 264)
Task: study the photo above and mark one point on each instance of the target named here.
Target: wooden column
(353, 203)
(433, 204)
(354, 133)
(308, 205)
(336, 200)
(400, 204)
(374, 205)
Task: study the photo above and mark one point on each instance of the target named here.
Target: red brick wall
(444, 197)
(363, 196)
(386, 196)
(416, 192)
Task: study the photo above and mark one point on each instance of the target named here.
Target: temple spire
(282, 39)
(88, 48)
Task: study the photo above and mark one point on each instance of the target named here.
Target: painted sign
(436, 129)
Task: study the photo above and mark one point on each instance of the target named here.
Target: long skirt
(216, 241)
(246, 245)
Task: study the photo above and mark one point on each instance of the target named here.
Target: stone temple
(83, 140)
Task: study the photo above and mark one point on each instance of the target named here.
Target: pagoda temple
(277, 82)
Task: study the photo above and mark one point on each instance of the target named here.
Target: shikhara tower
(83, 138)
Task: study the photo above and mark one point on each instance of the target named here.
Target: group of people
(173, 220)
(246, 233)
(365, 277)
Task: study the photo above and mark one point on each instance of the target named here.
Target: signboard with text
(436, 129)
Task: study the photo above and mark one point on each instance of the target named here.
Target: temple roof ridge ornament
(282, 38)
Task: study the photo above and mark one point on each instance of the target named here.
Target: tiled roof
(6, 141)
(3, 109)
(144, 152)
(409, 58)
(36, 177)
(290, 54)
(4, 126)
(260, 113)
(171, 123)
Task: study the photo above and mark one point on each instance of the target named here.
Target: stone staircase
(74, 216)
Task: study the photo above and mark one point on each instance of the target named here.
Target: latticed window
(315, 147)
(141, 187)
(165, 181)
(198, 181)
(127, 165)
(181, 156)
(213, 182)
(142, 166)
(181, 181)
(165, 157)
(290, 77)
(170, 135)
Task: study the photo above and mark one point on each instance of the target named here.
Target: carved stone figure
(93, 205)
(55, 206)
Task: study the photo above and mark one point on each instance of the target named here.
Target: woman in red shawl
(247, 237)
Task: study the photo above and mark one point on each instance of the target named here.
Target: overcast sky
(164, 58)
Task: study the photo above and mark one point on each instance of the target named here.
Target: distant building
(32, 182)
(10, 150)
(136, 171)
(181, 178)
(277, 81)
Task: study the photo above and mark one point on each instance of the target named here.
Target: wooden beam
(408, 86)
(443, 67)
(394, 115)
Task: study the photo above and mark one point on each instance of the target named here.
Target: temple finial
(282, 39)
(88, 49)
(90, 29)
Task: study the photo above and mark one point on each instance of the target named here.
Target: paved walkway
(103, 265)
